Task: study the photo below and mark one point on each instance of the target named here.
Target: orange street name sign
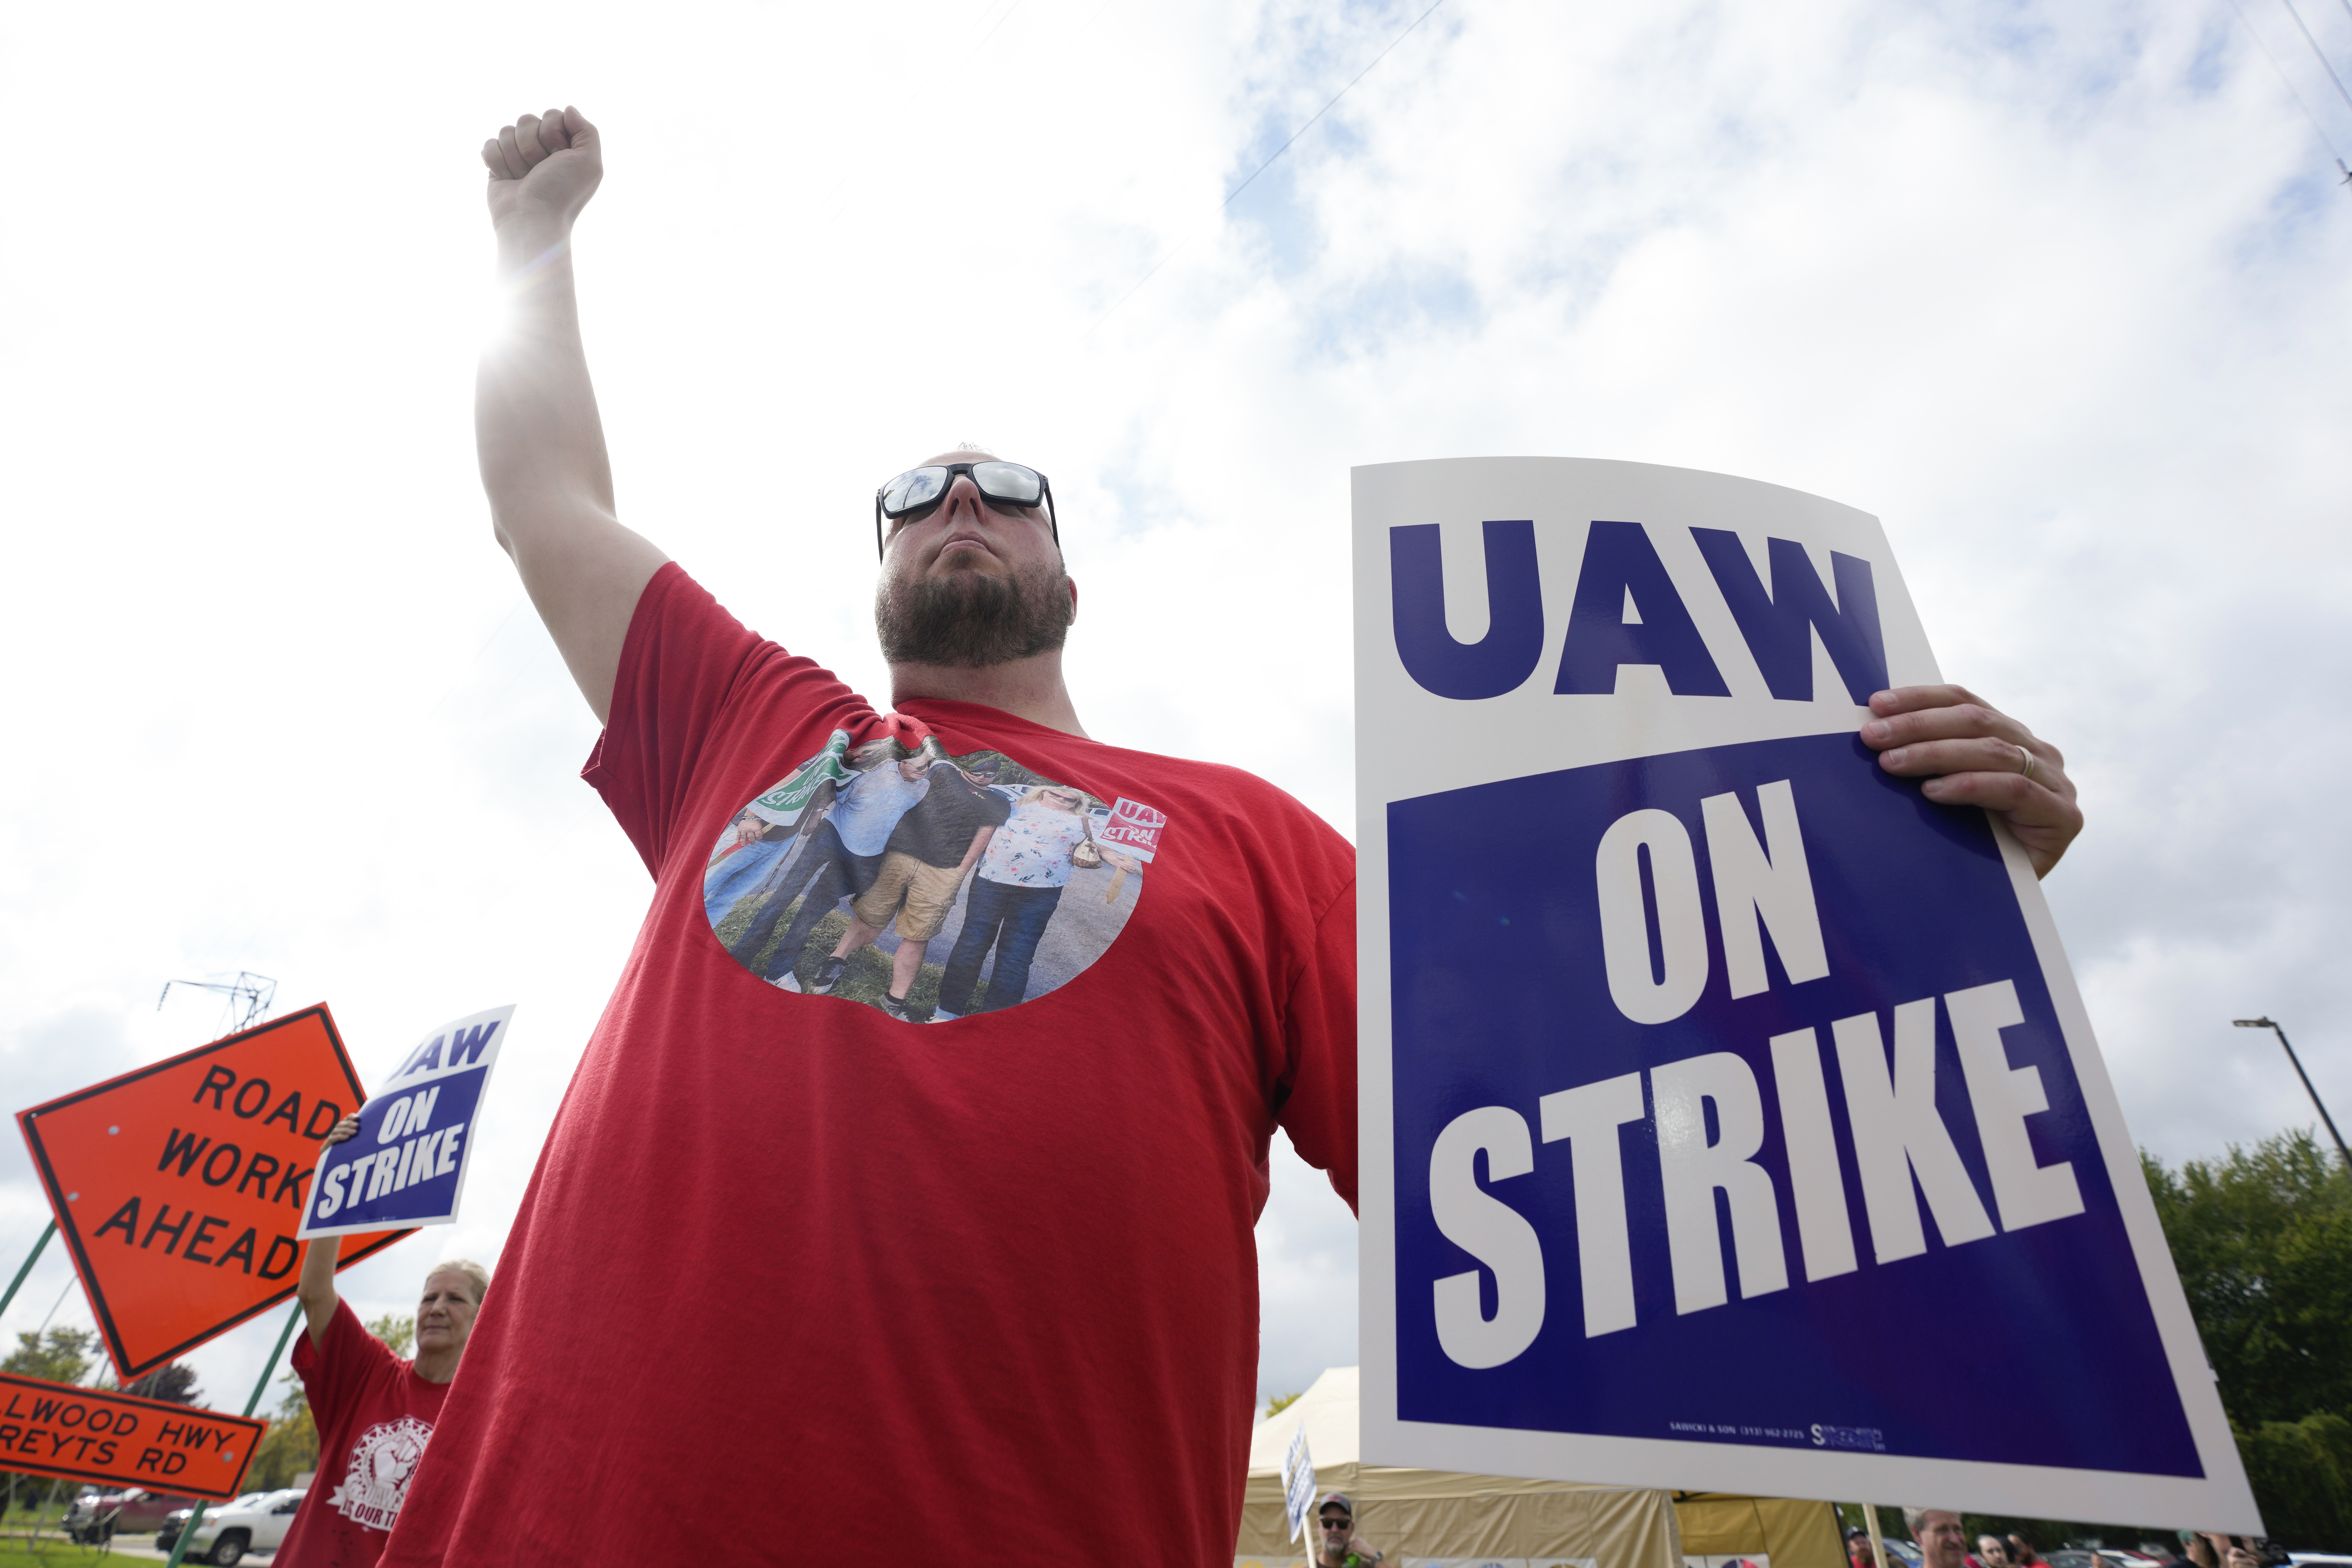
(179, 1186)
(56, 1429)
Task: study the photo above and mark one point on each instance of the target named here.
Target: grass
(52, 1548)
(868, 977)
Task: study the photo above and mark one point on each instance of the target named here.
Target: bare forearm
(316, 1289)
(535, 422)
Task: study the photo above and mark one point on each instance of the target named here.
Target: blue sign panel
(406, 1165)
(1804, 1145)
(1730, 1119)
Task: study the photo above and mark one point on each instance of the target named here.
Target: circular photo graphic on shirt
(932, 887)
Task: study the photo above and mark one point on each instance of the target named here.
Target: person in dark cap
(1338, 1544)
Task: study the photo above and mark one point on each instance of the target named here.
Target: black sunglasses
(918, 490)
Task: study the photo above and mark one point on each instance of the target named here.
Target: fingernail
(1894, 759)
(1876, 730)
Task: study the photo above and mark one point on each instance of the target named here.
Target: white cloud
(2056, 290)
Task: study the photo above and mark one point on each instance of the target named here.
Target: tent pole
(260, 1386)
(1877, 1541)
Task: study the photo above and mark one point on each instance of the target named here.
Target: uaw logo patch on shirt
(375, 1483)
(931, 885)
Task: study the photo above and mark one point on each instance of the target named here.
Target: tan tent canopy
(1781, 1530)
(1436, 1516)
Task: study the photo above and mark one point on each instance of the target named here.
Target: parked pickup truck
(255, 1523)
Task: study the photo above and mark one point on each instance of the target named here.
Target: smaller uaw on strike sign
(1730, 1119)
(406, 1165)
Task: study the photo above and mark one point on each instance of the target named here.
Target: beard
(966, 621)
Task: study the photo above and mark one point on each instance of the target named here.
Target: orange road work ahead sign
(179, 1186)
(56, 1429)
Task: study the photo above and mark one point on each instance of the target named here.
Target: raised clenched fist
(543, 168)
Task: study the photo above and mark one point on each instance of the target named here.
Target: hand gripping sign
(88, 1435)
(179, 1187)
(406, 1165)
(1729, 1115)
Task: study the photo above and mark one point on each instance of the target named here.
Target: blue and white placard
(1298, 1485)
(406, 1165)
(1730, 1119)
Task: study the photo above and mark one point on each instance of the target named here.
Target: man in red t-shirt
(1002, 1262)
(375, 1412)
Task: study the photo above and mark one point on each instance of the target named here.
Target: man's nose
(962, 496)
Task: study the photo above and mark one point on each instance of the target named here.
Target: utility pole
(2273, 1026)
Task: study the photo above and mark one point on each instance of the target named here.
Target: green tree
(63, 1356)
(395, 1329)
(2263, 1242)
(175, 1384)
(1278, 1403)
(2263, 1238)
(290, 1446)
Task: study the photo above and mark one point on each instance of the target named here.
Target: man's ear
(1073, 583)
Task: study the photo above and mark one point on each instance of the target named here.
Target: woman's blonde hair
(473, 1271)
(1077, 803)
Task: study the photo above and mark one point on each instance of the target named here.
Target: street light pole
(2273, 1026)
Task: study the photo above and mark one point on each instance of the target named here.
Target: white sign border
(2218, 1501)
(504, 1016)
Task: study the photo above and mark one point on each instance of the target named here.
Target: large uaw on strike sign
(406, 1164)
(1729, 1116)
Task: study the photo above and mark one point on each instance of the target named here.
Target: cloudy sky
(2059, 291)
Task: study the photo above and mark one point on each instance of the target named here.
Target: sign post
(406, 1165)
(1725, 1102)
(179, 1186)
(27, 1267)
(252, 1402)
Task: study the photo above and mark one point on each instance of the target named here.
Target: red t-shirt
(896, 1288)
(373, 1415)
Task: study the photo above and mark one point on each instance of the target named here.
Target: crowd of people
(1940, 1539)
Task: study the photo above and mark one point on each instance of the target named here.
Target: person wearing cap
(1337, 1543)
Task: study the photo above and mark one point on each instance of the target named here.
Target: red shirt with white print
(374, 1415)
(918, 1284)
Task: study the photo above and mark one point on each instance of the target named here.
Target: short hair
(1913, 1517)
(479, 1275)
(976, 450)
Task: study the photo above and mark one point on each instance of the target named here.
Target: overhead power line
(2284, 80)
(2316, 49)
(1261, 168)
